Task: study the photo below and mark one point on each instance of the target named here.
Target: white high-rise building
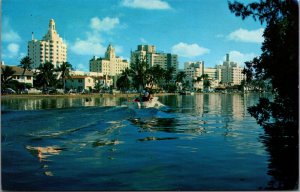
(148, 52)
(193, 70)
(231, 73)
(50, 49)
(111, 64)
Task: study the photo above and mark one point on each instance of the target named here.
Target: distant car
(49, 91)
(8, 91)
(34, 91)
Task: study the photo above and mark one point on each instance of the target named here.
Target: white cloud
(146, 4)
(106, 24)
(82, 67)
(118, 48)
(244, 35)
(239, 57)
(8, 34)
(93, 43)
(189, 50)
(143, 40)
(12, 51)
(87, 47)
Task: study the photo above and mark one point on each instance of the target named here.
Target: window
(28, 78)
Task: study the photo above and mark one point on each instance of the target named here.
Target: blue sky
(195, 30)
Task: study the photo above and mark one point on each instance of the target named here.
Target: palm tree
(206, 81)
(139, 73)
(25, 63)
(46, 76)
(169, 74)
(123, 81)
(180, 77)
(6, 75)
(65, 69)
(155, 75)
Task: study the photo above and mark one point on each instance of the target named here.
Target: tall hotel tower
(50, 49)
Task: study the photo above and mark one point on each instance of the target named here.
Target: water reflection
(208, 138)
(49, 103)
(234, 105)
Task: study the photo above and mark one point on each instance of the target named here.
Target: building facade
(148, 52)
(111, 64)
(80, 83)
(27, 78)
(193, 70)
(231, 73)
(50, 49)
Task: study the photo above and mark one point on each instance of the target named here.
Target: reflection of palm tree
(65, 69)
(6, 76)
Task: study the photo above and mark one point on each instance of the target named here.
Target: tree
(206, 81)
(139, 68)
(279, 64)
(279, 59)
(65, 69)
(169, 74)
(168, 78)
(155, 75)
(180, 77)
(25, 63)
(46, 77)
(123, 81)
(6, 76)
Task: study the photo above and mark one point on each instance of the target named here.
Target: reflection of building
(18, 75)
(164, 60)
(109, 65)
(231, 73)
(50, 49)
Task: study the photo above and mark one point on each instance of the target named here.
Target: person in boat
(146, 96)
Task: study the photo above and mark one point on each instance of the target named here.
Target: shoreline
(94, 95)
(10, 96)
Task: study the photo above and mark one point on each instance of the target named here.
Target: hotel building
(231, 73)
(111, 64)
(148, 52)
(50, 49)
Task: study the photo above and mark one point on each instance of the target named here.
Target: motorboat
(137, 104)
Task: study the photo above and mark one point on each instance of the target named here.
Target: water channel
(199, 142)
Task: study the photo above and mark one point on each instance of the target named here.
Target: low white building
(27, 78)
(80, 83)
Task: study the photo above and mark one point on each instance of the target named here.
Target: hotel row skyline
(52, 48)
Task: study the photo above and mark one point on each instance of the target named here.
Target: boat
(136, 104)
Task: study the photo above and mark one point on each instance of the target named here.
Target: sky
(195, 30)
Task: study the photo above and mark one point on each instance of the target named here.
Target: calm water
(201, 142)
